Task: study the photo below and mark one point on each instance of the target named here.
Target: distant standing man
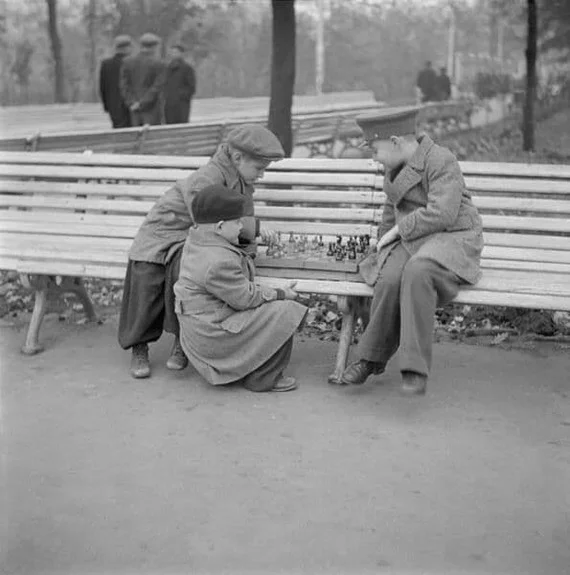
(444, 84)
(142, 82)
(179, 87)
(109, 83)
(427, 83)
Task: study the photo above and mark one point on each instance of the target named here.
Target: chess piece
(321, 243)
(331, 251)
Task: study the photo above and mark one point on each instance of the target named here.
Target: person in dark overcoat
(427, 83)
(142, 83)
(232, 330)
(110, 83)
(154, 258)
(430, 244)
(443, 84)
(179, 87)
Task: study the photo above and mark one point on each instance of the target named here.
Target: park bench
(64, 217)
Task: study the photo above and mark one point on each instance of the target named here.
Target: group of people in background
(139, 88)
(433, 87)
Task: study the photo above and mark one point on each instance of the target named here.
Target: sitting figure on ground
(430, 242)
(232, 330)
(154, 258)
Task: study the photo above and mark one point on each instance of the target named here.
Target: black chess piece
(321, 243)
(352, 253)
(339, 240)
(331, 251)
(339, 255)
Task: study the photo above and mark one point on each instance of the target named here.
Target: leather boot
(177, 359)
(140, 366)
(413, 383)
(359, 371)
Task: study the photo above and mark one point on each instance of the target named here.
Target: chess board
(307, 259)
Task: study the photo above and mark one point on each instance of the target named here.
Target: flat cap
(217, 203)
(149, 39)
(383, 124)
(256, 141)
(123, 41)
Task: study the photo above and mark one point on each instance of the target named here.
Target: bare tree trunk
(92, 55)
(282, 72)
(528, 116)
(59, 87)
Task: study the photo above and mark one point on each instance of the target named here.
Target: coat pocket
(237, 322)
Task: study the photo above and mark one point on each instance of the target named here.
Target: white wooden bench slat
(9, 189)
(356, 180)
(182, 163)
(500, 169)
(527, 241)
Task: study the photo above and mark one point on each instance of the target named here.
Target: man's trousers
(402, 313)
(148, 302)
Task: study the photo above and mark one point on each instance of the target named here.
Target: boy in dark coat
(231, 329)
(154, 259)
(430, 243)
(142, 82)
(179, 87)
(110, 84)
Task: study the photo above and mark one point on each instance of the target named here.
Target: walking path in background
(19, 121)
(105, 473)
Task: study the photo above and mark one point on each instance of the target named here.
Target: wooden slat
(548, 225)
(526, 254)
(70, 203)
(184, 163)
(88, 189)
(527, 241)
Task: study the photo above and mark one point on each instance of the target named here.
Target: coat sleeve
(154, 91)
(445, 190)
(125, 84)
(103, 86)
(190, 82)
(225, 280)
(388, 218)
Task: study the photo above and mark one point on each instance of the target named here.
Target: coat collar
(412, 173)
(223, 161)
(200, 237)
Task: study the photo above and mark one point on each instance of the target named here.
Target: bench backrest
(525, 208)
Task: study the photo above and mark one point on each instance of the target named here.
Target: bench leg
(32, 344)
(347, 308)
(76, 286)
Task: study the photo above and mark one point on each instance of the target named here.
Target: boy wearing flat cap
(232, 330)
(154, 259)
(142, 82)
(430, 243)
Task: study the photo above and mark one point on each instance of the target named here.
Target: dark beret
(217, 203)
(123, 41)
(384, 123)
(149, 39)
(256, 141)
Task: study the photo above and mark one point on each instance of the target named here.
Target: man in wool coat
(142, 82)
(179, 87)
(154, 258)
(430, 242)
(109, 84)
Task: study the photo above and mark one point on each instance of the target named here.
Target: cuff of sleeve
(280, 293)
(406, 226)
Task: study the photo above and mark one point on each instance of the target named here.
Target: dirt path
(107, 474)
